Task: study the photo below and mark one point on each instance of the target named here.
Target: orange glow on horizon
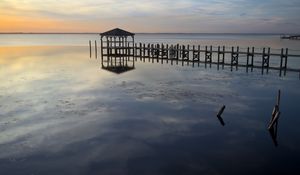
(24, 24)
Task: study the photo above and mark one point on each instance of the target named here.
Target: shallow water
(60, 113)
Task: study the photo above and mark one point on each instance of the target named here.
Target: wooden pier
(234, 57)
(291, 37)
(118, 44)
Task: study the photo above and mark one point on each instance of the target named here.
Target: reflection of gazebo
(117, 50)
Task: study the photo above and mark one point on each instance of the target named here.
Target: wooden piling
(96, 51)
(223, 57)
(141, 52)
(232, 55)
(221, 111)
(152, 53)
(199, 53)
(144, 53)
(218, 58)
(265, 60)
(285, 62)
(148, 52)
(278, 98)
(275, 120)
(268, 60)
(157, 52)
(167, 53)
(210, 56)
(162, 53)
(252, 59)
(247, 63)
(196, 55)
(90, 44)
(101, 49)
(177, 53)
(183, 53)
(281, 61)
(234, 58)
(276, 111)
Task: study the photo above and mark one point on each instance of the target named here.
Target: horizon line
(153, 33)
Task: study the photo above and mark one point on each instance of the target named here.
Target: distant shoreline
(163, 33)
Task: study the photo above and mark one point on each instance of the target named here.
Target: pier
(234, 57)
(291, 37)
(118, 44)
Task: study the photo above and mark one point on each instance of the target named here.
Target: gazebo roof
(117, 32)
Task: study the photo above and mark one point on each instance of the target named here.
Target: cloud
(162, 15)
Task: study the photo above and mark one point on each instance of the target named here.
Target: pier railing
(221, 56)
(264, 59)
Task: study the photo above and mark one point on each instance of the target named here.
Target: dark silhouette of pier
(291, 37)
(118, 44)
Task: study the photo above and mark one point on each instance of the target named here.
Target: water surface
(60, 113)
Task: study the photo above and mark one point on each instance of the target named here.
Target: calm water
(60, 113)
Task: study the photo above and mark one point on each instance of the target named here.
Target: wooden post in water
(90, 44)
(182, 54)
(199, 53)
(152, 53)
(278, 98)
(223, 57)
(221, 111)
(285, 62)
(101, 47)
(210, 56)
(252, 59)
(96, 51)
(234, 58)
(268, 60)
(206, 56)
(162, 53)
(188, 54)
(219, 115)
(237, 57)
(141, 53)
(275, 112)
(218, 57)
(167, 53)
(144, 53)
(171, 52)
(135, 50)
(250, 54)
(231, 62)
(194, 55)
(265, 60)
(148, 52)
(247, 64)
(177, 53)
(281, 61)
(157, 52)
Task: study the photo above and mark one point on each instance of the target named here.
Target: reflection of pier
(118, 44)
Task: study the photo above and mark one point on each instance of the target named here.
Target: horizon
(157, 16)
(221, 33)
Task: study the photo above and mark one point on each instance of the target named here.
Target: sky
(176, 16)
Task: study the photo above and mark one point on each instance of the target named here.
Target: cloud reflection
(67, 116)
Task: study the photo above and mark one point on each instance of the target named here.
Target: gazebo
(117, 49)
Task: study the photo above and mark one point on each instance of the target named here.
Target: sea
(61, 113)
